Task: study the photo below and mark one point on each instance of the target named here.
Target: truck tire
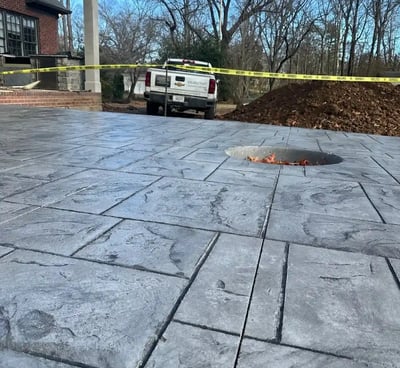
(209, 114)
(151, 108)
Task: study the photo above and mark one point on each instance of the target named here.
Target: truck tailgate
(182, 83)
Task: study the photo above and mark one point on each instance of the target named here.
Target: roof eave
(50, 6)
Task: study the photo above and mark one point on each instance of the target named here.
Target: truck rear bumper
(190, 102)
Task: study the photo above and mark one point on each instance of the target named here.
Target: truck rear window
(175, 66)
(160, 81)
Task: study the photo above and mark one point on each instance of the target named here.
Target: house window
(29, 36)
(2, 35)
(18, 34)
(13, 26)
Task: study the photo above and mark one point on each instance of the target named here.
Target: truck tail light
(148, 79)
(211, 86)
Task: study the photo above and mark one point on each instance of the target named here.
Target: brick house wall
(47, 28)
(61, 99)
(47, 24)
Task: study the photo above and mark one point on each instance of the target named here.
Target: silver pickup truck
(174, 88)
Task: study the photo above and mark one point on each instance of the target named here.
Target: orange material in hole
(271, 159)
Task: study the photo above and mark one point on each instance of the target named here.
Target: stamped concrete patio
(135, 241)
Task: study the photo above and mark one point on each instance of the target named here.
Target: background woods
(346, 37)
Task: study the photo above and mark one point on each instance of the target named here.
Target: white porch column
(91, 21)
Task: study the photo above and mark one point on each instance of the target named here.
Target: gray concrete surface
(134, 241)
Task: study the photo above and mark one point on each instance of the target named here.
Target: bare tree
(226, 16)
(127, 34)
(382, 13)
(390, 42)
(246, 53)
(358, 21)
(282, 31)
(219, 19)
(352, 17)
(184, 20)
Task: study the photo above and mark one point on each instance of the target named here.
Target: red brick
(47, 24)
(53, 99)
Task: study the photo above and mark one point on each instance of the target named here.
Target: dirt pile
(372, 108)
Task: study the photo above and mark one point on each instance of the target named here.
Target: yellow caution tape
(225, 71)
(249, 73)
(77, 67)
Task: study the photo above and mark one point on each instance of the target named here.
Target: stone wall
(70, 80)
(62, 80)
(44, 98)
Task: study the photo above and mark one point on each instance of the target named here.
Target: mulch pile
(372, 108)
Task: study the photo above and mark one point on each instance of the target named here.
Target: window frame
(25, 30)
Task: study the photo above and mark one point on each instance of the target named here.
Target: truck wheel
(210, 113)
(151, 108)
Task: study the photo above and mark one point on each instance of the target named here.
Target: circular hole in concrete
(282, 156)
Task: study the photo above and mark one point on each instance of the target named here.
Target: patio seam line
(130, 196)
(121, 168)
(49, 153)
(239, 346)
(283, 293)
(319, 145)
(243, 329)
(188, 154)
(54, 165)
(197, 144)
(212, 172)
(288, 136)
(326, 133)
(42, 184)
(338, 217)
(96, 261)
(173, 224)
(8, 253)
(265, 140)
(373, 138)
(142, 363)
(263, 232)
(393, 272)
(22, 214)
(388, 172)
(205, 327)
(4, 171)
(94, 239)
(332, 248)
(225, 182)
(132, 219)
(22, 191)
(303, 348)
(246, 169)
(372, 203)
(366, 147)
(135, 268)
(52, 358)
(268, 341)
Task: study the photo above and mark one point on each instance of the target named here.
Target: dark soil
(134, 107)
(372, 108)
